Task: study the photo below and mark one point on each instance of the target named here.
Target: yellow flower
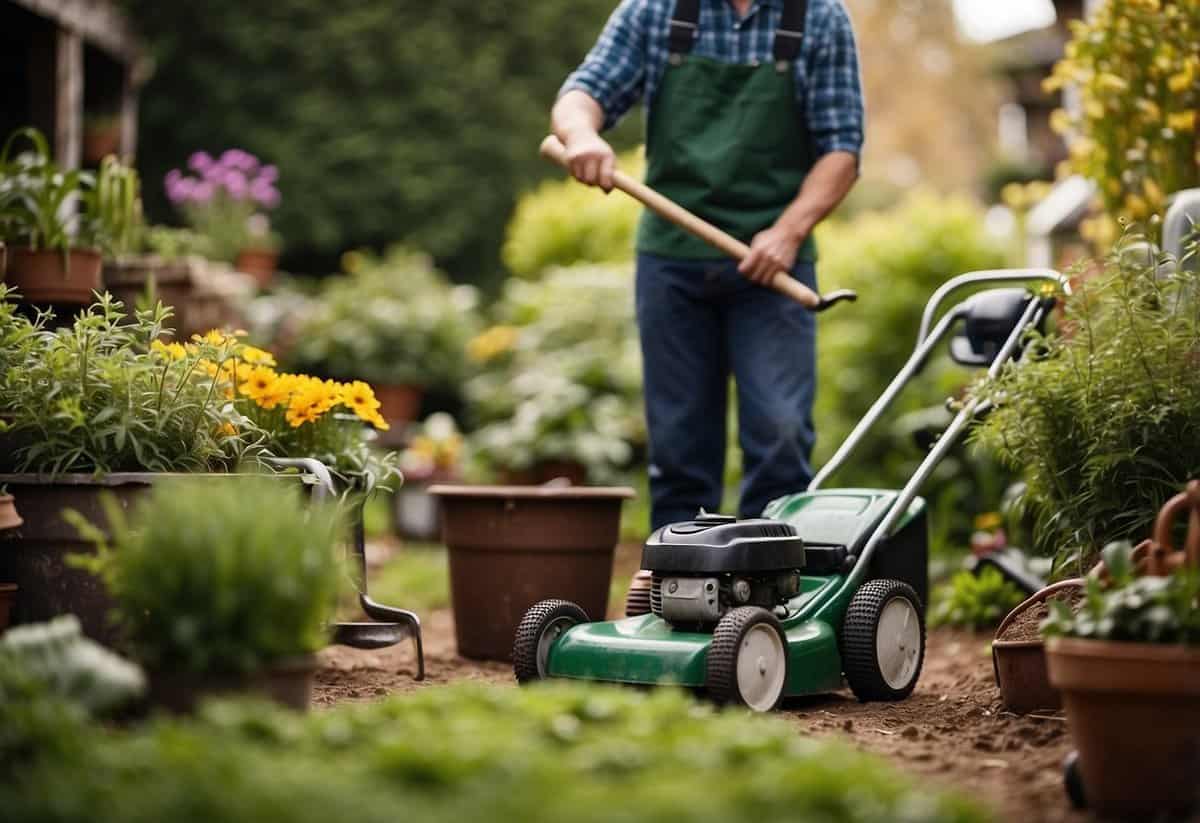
(1183, 121)
(213, 337)
(257, 356)
(228, 430)
(989, 521)
(495, 341)
(378, 422)
(360, 397)
(258, 382)
(175, 351)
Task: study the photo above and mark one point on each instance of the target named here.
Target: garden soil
(951, 732)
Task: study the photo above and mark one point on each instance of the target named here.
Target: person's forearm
(826, 185)
(576, 114)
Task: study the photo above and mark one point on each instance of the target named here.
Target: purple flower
(234, 182)
(203, 192)
(270, 198)
(268, 175)
(200, 162)
(240, 160)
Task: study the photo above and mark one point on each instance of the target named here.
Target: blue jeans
(701, 321)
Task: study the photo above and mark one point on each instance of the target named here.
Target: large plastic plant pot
(513, 546)
(1133, 710)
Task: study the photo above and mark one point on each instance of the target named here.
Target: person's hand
(772, 250)
(591, 160)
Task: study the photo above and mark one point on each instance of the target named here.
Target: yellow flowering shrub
(1136, 66)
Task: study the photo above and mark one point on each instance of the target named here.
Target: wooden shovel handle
(782, 282)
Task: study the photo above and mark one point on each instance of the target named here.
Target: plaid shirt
(628, 61)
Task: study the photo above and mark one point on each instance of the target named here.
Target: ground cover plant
(974, 601)
(1104, 423)
(462, 752)
(203, 582)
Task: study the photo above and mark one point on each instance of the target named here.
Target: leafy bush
(404, 122)
(220, 574)
(974, 601)
(34, 193)
(562, 374)
(1138, 74)
(92, 397)
(896, 259)
(563, 223)
(1104, 423)
(394, 320)
(1132, 609)
(529, 755)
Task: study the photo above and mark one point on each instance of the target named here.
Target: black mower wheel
(883, 641)
(747, 660)
(538, 629)
(1073, 781)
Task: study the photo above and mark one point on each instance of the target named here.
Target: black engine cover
(715, 544)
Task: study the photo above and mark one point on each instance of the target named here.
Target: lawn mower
(827, 587)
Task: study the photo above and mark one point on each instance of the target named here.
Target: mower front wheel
(747, 660)
(883, 641)
(536, 633)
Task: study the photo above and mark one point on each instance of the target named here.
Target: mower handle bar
(553, 150)
(987, 276)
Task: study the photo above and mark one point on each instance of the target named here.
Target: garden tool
(553, 150)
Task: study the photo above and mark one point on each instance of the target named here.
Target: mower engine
(704, 567)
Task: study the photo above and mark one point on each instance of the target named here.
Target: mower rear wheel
(747, 660)
(883, 641)
(536, 633)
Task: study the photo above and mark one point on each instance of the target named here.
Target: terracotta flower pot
(100, 142)
(1020, 664)
(260, 263)
(9, 518)
(399, 404)
(8, 596)
(1133, 710)
(41, 276)
(512, 546)
(288, 683)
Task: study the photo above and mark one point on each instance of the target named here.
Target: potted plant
(558, 394)
(222, 587)
(54, 256)
(224, 199)
(101, 136)
(9, 519)
(1128, 665)
(396, 323)
(433, 455)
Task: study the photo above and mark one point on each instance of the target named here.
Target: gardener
(755, 122)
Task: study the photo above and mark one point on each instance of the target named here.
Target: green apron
(725, 141)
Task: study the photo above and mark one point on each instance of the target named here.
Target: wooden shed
(72, 68)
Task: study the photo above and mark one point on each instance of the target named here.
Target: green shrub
(470, 752)
(1129, 609)
(93, 397)
(221, 574)
(974, 601)
(563, 223)
(393, 320)
(1105, 424)
(561, 375)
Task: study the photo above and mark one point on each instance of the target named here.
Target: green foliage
(562, 374)
(61, 661)
(92, 397)
(1105, 423)
(392, 320)
(564, 222)
(220, 574)
(172, 243)
(115, 205)
(34, 195)
(896, 259)
(460, 753)
(403, 122)
(974, 601)
(1132, 609)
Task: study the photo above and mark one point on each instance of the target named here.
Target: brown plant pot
(1133, 710)
(9, 518)
(513, 546)
(1020, 665)
(288, 683)
(8, 597)
(399, 404)
(41, 277)
(99, 143)
(132, 279)
(259, 263)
